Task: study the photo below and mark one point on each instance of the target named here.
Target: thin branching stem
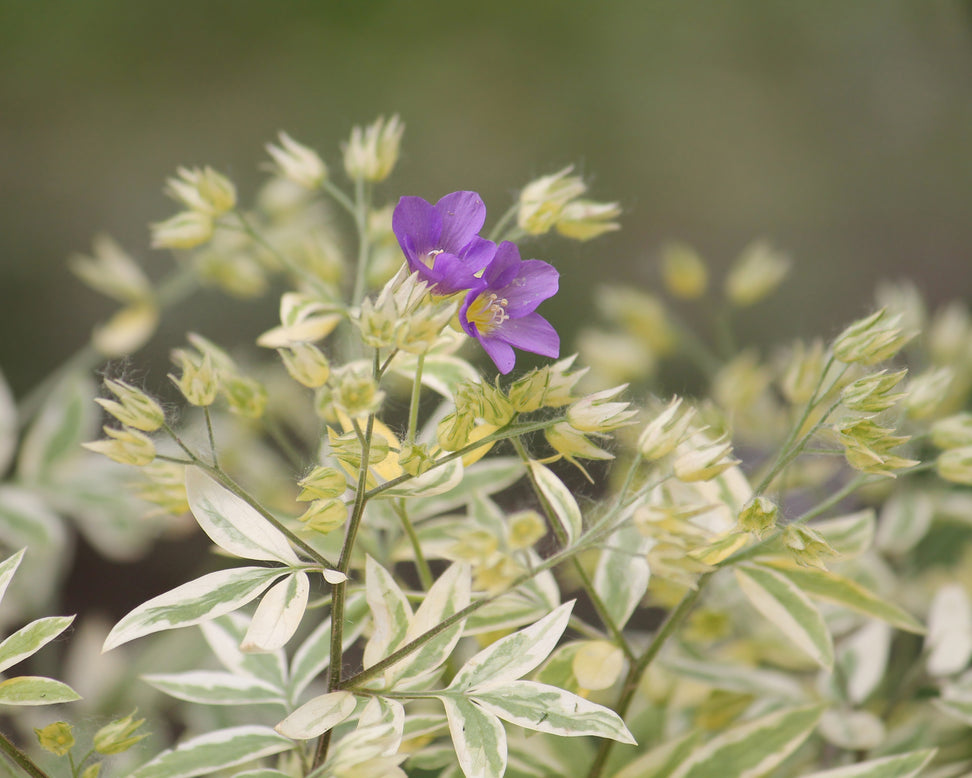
(212, 437)
(413, 408)
(421, 563)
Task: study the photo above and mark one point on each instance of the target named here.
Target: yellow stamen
(487, 312)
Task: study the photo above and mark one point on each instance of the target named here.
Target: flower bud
(56, 738)
(204, 191)
(758, 516)
(756, 274)
(371, 153)
(807, 547)
(595, 414)
(902, 297)
(306, 364)
(542, 201)
(573, 444)
(246, 397)
(356, 394)
(164, 486)
(867, 447)
(112, 272)
(324, 404)
(118, 736)
(127, 446)
(92, 770)
(872, 393)
(706, 462)
(683, 272)
(871, 340)
(561, 382)
(953, 431)
(802, 371)
(597, 664)
(666, 430)
(525, 529)
(415, 458)
(136, 408)
(950, 335)
(640, 314)
(586, 219)
(127, 331)
(454, 430)
(526, 394)
(484, 401)
(185, 230)
(955, 465)
(199, 382)
(739, 383)
(297, 162)
(927, 392)
(303, 320)
(322, 483)
(325, 515)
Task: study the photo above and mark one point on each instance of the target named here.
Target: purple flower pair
(442, 244)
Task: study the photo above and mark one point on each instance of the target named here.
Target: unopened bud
(586, 219)
(56, 738)
(740, 382)
(203, 190)
(454, 430)
(372, 152)
(526, 394)
(185, 230)
(561, 382)
(573, 444)
(119, 735)
(415, 458)
(872, 393)
(758, 516)
(198, 383)
(927, 392)
(758, 271)
(245, 396)
(666, 430)
(683, 272)
(525, 529)
(297, 162)
(950, 335)
(127, 330)
(953, 431)
(322, 483)
(807, 547)
(955, 465)
(706, 462)
(111, 271)
(595, 413)
(871, 340)
(325, 515)
(356, 394)
(324, 404)
(136, 408)
(303, 320)
(306, 364)
(127, 446)
(802, 372)
(597, 664)
(542, 201)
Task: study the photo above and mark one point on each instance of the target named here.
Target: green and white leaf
(264, 772)
(548, 709)
(487, 476)
(515, 655)
(211, 687)
(35, 690)
(843, 591)
(378, 734)
(852, 730)
(205, 598)
(621, 577)
(390, 612)
(754, 748)
(314, 654)
(907, 765)
(738, 678)
(850, 535)
(67, 418)
(862, 658)
(8, 568)
(318, 715)
(789, 609)
(278, 615)
(28, 640)
(905, 519)
(561, 500)
(442, 373)
(949, 640)
(438, 480)
(28, 521)
(511, 610)
(478, 737)
(663, 759)
(233, 524)
(955, 699)
(215, 751)
(224, 636)
(8, 425)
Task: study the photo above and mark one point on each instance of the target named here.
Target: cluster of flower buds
(683, 271)
(667, 518)
(206, 195)
(555, 201)
(208, 371)
(758, 271)
(801, 371)
(493, 555)
(871, 340)
(953, 435)
(297, 163)
(323, 488)
(405, 315)
(371, 153)
(867, 447)
(138, 414)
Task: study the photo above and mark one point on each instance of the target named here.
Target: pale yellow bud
(586, 219)
(127, 446)
(246, 397)
(164, 486)
(902, 298)
(199, 382)
(136, 408)
(127, 330)
(666, 430)
(927, 392)
(297, 162)
(324, 404)
(595, 413)
(484, 401)
(415, 458)
(111, 271)
(615, 357)
(185, 230)
(950, 335)
(322, 483)
(92, 770)
(872, 393)
(542, 201)
(454, 430)
(807, 546)
(758, 516)
(953, 431)
(203, 190)
(56, 738)
(871, 340)
(371, 153)
(325, 515)
(306, 364)
(597, 664)
(955, 465)
(867, 447)
(119, 735)
(640, 314)
(303, 320)
(756, 274)
(355, 393)
(683, 272)
(705, 462)
(739, 383)
(561, 382)
(236, 272)
(802, 371)
(526, 394)
(525, 529)
(573, 444)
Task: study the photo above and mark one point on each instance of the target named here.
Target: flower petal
(463, 215)
(453, 274)
(504, 267)
(530, 333)
(418, 226)
(501, 353)
(535, 281)
(478, 253)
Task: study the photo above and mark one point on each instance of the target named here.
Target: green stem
(286, 262)
(339, 196)
(638, 668)
(212, 437)
(361, 206)
(496, 235)
(288, 448)
(421, 563)
(413, 408)
(20, 758)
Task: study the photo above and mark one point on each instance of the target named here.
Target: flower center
(487, 312)
(429, 259)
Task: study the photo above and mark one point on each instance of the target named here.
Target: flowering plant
(414, 575)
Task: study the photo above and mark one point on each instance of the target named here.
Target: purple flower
(441, 241)
(499, 310)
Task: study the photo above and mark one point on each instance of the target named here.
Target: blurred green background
(841, 131)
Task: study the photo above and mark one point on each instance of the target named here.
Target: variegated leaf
(622, 573)
(224, 636)
(390, 613)
(487, 476)
(7, 569)
(663, 759)
(318, 715)
(35, 690)
(211, 687)
(8, 425)
(738, 678)
(67, 418)
(233, 524)
(438, 480)
(27, 640)
(949, 641)
(278, 615)
(478, 737)
(215, 751)
(561, 501)
(850, 535)
(314, 654)
(205, 598)
(907, 765)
